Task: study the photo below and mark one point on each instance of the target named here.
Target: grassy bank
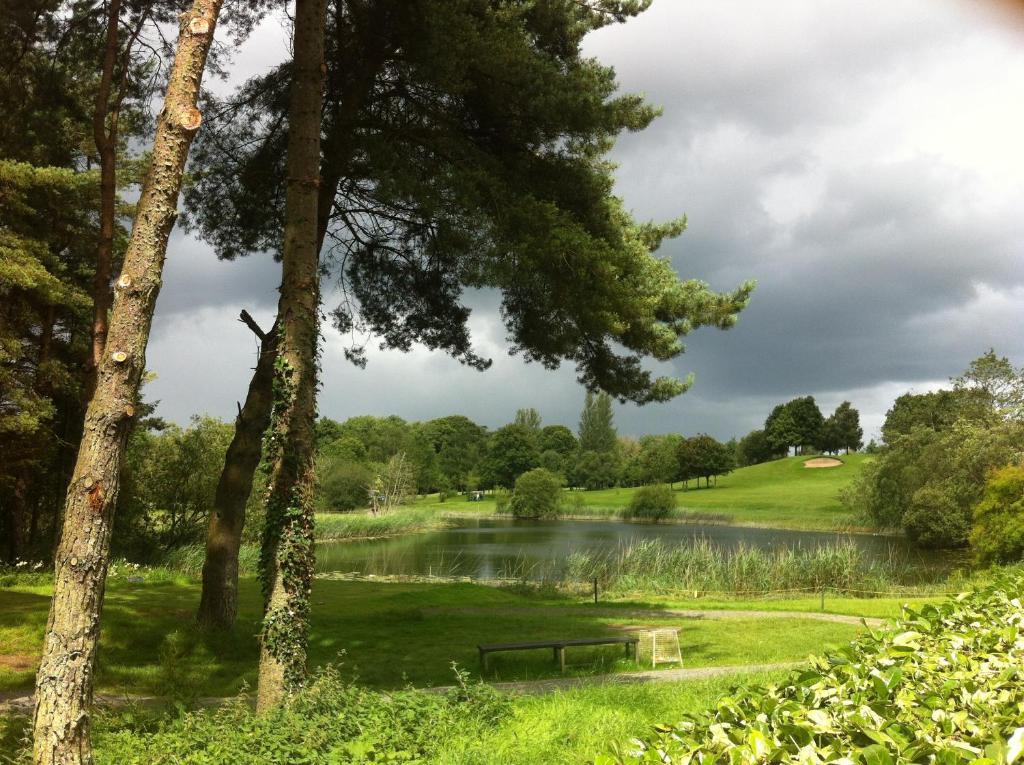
(388, 634)
(782, 493)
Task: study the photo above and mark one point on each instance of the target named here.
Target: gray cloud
(861, 162)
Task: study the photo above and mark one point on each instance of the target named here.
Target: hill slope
(779, 493)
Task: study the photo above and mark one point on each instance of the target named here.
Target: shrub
(934, 519)
(652, 503)
(538, 494)
(944, 685)
(998, 532)
(342, 485)
(331, 722)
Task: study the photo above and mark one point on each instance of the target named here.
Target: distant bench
(558, 646)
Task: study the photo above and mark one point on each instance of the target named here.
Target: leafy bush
(652, 503)
(998, 532)
(343, 484)
(331, 722)
(934, 519)
(944, 685)
(538, 494)
(928, 482)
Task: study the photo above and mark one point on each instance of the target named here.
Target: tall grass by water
(335, 527)
(702, 567)
(330, 527)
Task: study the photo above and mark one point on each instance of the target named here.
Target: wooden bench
(558, 646)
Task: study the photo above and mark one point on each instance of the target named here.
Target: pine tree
(464, 147)
(64, 682)
(286, 556)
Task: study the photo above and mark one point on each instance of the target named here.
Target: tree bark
(218, 605)
(286, 564)
(64, 684)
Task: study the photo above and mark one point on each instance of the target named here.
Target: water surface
(489, 548)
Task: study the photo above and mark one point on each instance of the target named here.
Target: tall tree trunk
(105, 139)
(286, 564)
(64, 684)
(218, 605)
(352, 83)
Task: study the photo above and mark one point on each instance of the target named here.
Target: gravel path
(672, 613)
(13, 702)
(540, 687)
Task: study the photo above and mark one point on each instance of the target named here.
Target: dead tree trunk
(218, 605)
(64, 684)
(286, 565)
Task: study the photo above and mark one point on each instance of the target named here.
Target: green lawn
(563, 728)
(782, 493)
(571, 727)
(389, 635)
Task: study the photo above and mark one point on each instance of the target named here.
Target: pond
(494, 548)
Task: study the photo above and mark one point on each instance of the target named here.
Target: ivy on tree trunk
(64, 684)
(286, 556)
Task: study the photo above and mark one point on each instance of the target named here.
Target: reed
(701, 567)
(188, 561)
(336, 527)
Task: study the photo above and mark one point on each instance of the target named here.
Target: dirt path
(550, 685)
(670, 613)
(15, 702)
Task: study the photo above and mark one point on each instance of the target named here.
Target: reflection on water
(488, 548)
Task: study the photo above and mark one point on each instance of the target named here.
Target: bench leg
(483, 661)
(560, 652)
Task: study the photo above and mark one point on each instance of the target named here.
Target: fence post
(595, 590)
(822, 598)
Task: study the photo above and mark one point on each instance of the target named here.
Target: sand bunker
(823, 462)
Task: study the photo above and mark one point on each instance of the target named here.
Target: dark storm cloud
(862, 162)
(194, 278)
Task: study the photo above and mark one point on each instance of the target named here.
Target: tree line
(798, 425)
(408, 150)
(948, 473)
(173, 475)
(454, 454)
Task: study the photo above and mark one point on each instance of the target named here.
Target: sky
(862, 161)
